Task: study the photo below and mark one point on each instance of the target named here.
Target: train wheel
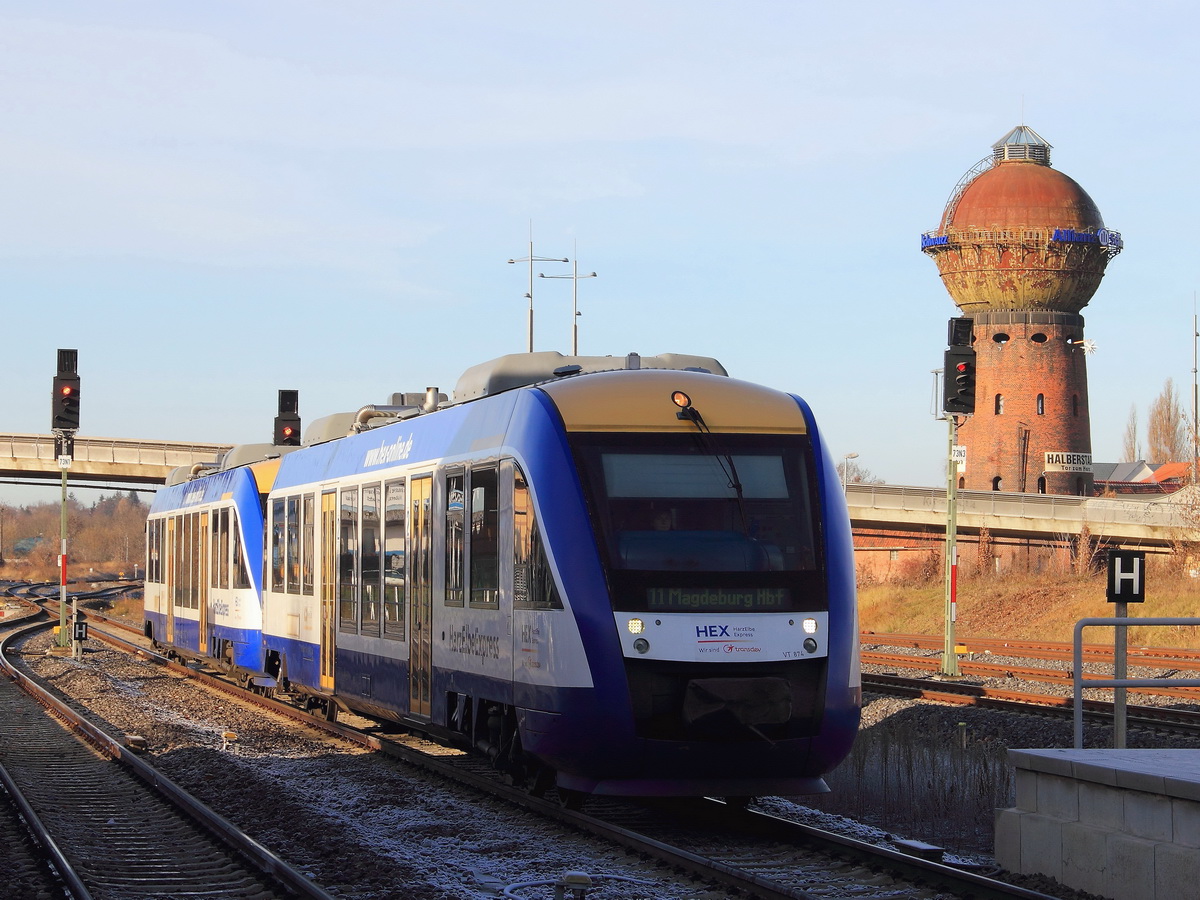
(543, 780)
(571, 799)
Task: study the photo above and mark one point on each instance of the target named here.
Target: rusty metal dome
(1018, 234)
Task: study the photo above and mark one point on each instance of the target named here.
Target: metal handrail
(1077, 665)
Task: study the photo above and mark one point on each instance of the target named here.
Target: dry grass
(1035, 607)
(916, 773)
(47, 570)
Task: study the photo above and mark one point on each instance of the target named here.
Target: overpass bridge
(1158, 523)
(1154, 524)
(119, 460)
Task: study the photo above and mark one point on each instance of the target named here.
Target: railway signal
(287, 422)
(64, 422)
(959, 331)
(958, 381)
(958, 398)
(64, 408)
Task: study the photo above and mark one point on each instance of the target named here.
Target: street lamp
(575, 313)
(846, 469)
(531, 259)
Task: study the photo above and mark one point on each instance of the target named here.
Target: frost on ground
(363, 826)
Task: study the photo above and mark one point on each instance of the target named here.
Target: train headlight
(810, 626)
(810, 646)
(641, 645)
(635, 626)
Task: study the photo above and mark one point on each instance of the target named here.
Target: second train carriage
(645, 594)
(204, 567)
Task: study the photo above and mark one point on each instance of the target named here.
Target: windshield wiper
(708, 442)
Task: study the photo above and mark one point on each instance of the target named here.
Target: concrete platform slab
(1121, 823)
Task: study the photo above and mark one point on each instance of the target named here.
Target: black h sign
(1126, 576)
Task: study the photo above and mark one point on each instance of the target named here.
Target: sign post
(64, 422)
(949, 656)
(958, 398)
(1126, 584)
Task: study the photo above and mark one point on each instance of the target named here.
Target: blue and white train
(626, 575)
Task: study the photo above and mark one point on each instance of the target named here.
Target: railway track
(1185, 721)
(751, 851)
(1183, 718)
(121, 831)
(745, 850)
(29, 864)
(1177, 657)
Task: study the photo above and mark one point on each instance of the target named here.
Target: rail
(1077, 668)
(265, 860)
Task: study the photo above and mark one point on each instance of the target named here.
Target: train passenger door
(420, 642)
(329, 575)
(203, 561)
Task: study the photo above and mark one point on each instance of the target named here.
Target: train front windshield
(705, 522)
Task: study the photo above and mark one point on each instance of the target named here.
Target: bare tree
(1131, 450)
(1166, 429)
(850, 472)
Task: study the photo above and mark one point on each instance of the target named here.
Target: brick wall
(1026, 359)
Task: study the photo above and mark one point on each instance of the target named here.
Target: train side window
(221, 547)
(307, 543)
(393, 560)
(241, 573)
(185, 594)
(174, 551)
(214, 538)
(177, 558)
(455, 509)
(420, 573)
(197, 561)
(152, 545)
(533, 582)
(166, 560)
(292, 538)
(226, 517)
(369, 556)
(194, 548)
(277, 549)
(483, 546)
(347, 561)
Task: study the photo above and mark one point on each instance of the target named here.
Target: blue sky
(212, 201)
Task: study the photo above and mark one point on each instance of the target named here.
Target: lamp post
(531, 259)
(575, 314)
(846, 469)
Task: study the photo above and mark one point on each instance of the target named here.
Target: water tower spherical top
(1017, 234)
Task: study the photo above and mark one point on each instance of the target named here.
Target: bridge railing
(1173, 511)
(109, 450)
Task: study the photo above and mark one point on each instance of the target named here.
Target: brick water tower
(1022, 248)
